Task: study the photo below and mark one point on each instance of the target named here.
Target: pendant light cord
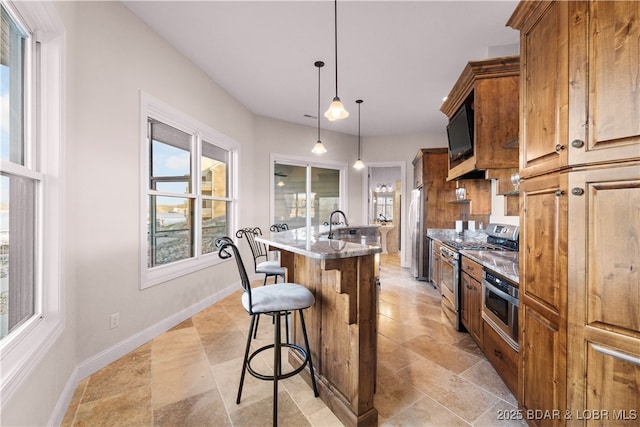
(335, 16)
(359, 129)
(359, 102)
(319, 66)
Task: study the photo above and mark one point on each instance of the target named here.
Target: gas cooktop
(474, 246)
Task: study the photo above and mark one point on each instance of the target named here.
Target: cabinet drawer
(503, 358)
(472, 268)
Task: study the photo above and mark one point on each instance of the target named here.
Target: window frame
(158, 110)
(25, 347)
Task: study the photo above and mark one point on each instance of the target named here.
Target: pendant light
(319, 148)
(336, 110)
(359, 165)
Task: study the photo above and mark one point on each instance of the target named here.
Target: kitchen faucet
(331, 221)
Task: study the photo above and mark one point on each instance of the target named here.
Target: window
(18, 186)
(30, 242)
(305, 194)
(185, 211)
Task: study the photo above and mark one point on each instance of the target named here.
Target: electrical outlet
(115, 320)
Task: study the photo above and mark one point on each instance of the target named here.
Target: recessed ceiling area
(400, 57)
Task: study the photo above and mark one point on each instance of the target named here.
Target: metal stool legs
(277, 362)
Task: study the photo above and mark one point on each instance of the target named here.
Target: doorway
(385, 185)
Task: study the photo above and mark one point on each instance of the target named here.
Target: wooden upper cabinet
(544, 92)
(580, 98)
(491, 87)
(604, 90)
(430, 172)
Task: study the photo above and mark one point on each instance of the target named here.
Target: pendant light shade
(319, 148)
(336, 110)
(359, 164)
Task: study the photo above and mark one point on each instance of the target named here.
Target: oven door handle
(501, 294)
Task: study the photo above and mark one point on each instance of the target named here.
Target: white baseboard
(127, 345)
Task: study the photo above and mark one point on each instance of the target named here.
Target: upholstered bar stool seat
(277, 300)
(270, 268)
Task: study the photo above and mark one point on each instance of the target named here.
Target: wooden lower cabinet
(604, 294)
(503, 358)
(471, 299)
(580, 297)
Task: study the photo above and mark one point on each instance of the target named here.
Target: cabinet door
(437, 211)
(503, 358)
(604, 94)
(543, 294)
(604, 291)
(475, 312)
(544, 89)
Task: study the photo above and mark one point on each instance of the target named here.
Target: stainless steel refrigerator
(419, 250)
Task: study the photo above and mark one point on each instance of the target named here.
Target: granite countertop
(314, 242)
(505, 263)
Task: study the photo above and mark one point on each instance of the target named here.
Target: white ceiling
(400, 57)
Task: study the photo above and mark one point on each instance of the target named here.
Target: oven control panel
(503, 231)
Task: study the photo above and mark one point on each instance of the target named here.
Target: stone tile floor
(428, 374)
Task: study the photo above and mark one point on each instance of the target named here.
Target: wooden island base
(342, 330)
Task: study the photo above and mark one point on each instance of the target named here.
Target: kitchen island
(342, 324)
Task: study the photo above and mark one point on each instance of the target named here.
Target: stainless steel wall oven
(500, 302)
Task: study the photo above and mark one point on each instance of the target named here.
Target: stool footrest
(260, 376)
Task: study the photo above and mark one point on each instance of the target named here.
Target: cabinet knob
(577, 143)
(559, 148)
(577, 191)
(498, 353)
(559, 193)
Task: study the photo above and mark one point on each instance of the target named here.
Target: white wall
(111, 57)
(117, 58)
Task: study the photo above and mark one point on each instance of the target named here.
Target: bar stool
(270, 268)
(276, 228)
(261, 262)
(277, 300)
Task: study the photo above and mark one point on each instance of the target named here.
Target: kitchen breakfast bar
(342, 274)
